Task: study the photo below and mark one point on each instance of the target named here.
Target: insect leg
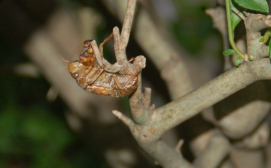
(85, 74)
(93, 61)
(126, 89)
(120, 91)
(119, 85)
(131, 60)
(102, 44)
(132, 78)
(95, 76)
(117, 81)
(82, 53)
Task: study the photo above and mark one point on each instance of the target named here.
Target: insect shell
(92, 78)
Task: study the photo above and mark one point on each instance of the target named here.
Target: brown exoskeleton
(93, 78)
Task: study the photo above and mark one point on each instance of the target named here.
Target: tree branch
(127, 24)
(257, 22)
(192, 103)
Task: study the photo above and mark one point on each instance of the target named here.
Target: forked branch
(120, 44)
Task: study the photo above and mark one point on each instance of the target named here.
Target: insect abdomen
(106, 85)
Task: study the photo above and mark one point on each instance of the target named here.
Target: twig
(103, 62)
(116, 35)
(127, 121)
(122, 65)
(239, 14)
(127, 24)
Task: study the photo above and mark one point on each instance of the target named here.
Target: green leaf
(229, 52)
(238, 61)
(261, 39)
(256, 5)
(235, 19)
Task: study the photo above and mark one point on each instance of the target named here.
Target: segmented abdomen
(113, 85)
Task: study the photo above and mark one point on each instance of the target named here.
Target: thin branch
(116, 35)
(103, 62)
(97, 53)
(239, 14)
(127, 121)
(127, 23)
